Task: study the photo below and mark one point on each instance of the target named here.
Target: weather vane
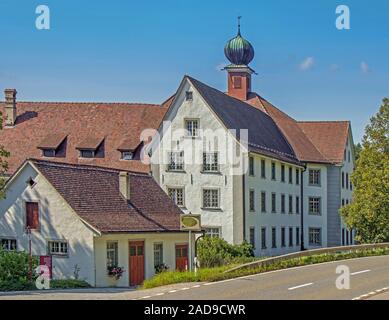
(239, 17)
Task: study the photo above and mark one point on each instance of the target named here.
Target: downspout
(244, 206)
(302, 209)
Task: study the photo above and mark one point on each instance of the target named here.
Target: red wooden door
(181, 257)
(32, 215)
(136, 263)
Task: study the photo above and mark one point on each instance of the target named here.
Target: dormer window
(91, 147)
(49, 153)
(127, 155)
(189, 96)
(87, 154)
(53, 145)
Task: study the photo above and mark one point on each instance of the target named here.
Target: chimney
(10, 107)
(124, 185)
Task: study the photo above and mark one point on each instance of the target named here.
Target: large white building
(282, 189)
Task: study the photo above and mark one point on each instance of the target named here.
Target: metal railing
(307, 253)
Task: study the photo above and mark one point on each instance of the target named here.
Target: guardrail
(307, 253)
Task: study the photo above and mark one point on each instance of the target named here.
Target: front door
(136, 263)
(181, 257)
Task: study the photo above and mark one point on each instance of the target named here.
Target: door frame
(130, 241)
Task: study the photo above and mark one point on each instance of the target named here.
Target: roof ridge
(85, 166)
(324, 121)
(89, 102)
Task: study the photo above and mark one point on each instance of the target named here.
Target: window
(282, 203)
(314, 205)
(252, 200)
(263, 201)
(127, 155)
(297, 236)
(58, 248)
(32, 215)
(273, 171)
(112, 254)
(158, 254)
(177, 195)
(290, 204)
(342, 179)
(252, 236)
(343, 238)
(211, 198)
(314, 236)
(283, 241)
(297, 204)
(213, 232)
(273, 203)
(351, 186)
(290, 175)
(189, 96)
(297, 176)
(274, 237)
(251, 166)
(263, 169)
(263, 238)
(8, 244)
(210, 162)
(176, 161)
(192, 128)
(282, 173)
(49, 153)
(342, 202)
(346, 180)
(290, 237)
(87, 153)
(314, 177)
(237, 82)
(349, 156)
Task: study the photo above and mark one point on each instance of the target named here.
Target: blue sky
(138, 51)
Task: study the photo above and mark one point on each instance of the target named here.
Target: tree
(368, 213)
(357, 149)
(3, 163)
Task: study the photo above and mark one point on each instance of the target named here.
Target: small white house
(87, 219)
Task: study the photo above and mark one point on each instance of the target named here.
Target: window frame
(50, 155)
(290, 175)
(175, 190)
(274, 202)
(314, 177)
(252, 200)
(310, 200)
(129, 157)
(193, 132)
(210, 232)
(252, 236)
(263, 168)
(176, 161)
(158, 245)
(83, 151)
(60, 243)
(274, 237)
(273, 171)
(211, 190)
(263, 238)
(213, 166)
(115, 251)
(9, 246)
(251, 166)
(263, 202)
(317, 234)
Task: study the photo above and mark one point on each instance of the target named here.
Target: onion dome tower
(240, 53)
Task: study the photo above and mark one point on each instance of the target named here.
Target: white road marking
(172, 291)
(196, 286)
(146, 297)
(301, 286)
(371, 294)
(183, 289)
(160, 294)
(217, 282)
(359, 272)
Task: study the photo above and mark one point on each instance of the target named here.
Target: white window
(252, 200)
(192, 128)
(127, 155)
(314, 205)
(314, 177)
(58, 248)
(176, 161)
(210, 162)
(213, 232)
(314, 236)
(8, 244)
(177, 195)
(158, 254)
(211, 198)
(112, 254)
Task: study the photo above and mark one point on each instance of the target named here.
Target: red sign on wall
(47, 261)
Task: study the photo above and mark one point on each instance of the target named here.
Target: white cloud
(307, 64)
(365, 67)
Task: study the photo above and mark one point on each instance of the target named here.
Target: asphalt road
(369, 279)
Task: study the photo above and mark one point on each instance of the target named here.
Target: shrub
(215, 252)
(14, 266)
(68, 284)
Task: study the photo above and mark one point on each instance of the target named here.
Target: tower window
(237, 82)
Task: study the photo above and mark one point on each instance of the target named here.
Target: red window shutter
(32, 215)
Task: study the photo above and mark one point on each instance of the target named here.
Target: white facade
(86, 246)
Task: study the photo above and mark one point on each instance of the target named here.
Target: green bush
(216, 252)
(14, 266)
(15, 285)
(68, 284)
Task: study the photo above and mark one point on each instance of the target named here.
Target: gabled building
(296, 174)
(88, 219)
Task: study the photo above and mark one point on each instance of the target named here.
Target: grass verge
(218, 274)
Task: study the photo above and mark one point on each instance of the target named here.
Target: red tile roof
(93, 193)
(312, 141)
(329, 137)
(36, 121)
(52, 141)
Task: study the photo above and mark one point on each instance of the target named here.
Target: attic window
(31, 182)
(49, 153)
(189, 96)
(87, 154)
(127, 155)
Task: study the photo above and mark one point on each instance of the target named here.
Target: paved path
(309, 282)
